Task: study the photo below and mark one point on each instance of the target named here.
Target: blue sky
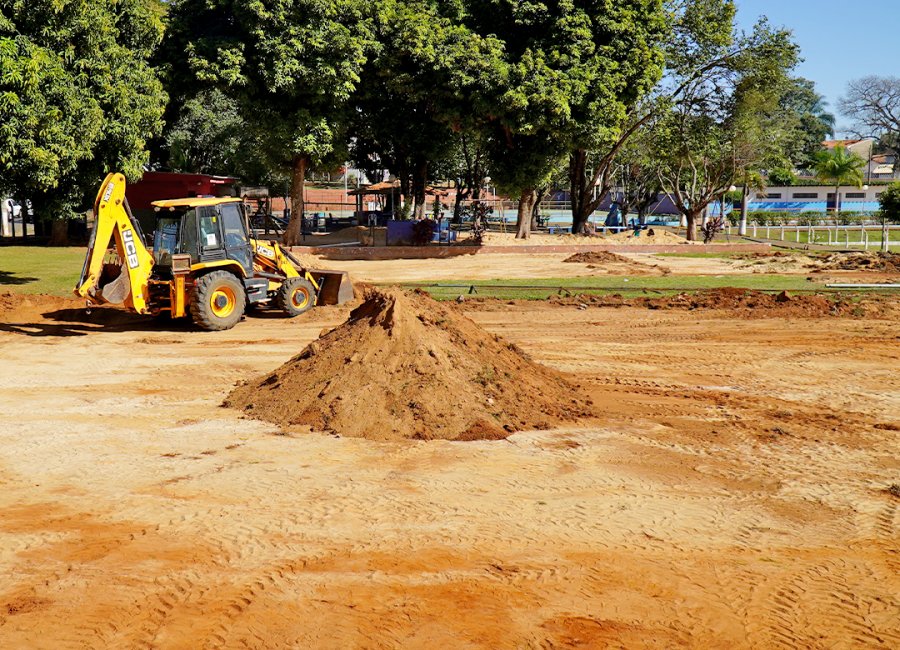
(839, 40)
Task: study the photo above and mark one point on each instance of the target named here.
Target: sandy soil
(553, 265)
(732, 494)
(364, 235)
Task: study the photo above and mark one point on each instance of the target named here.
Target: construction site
(565, 443)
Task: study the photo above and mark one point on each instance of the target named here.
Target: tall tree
(401, 114)
(292, 65)
(725, 125)
(699, 44)
(79, 98)
(873, 103)
(839, 166)
(812, 123)
(622, 64)
(566, 72)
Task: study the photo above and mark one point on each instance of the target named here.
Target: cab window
(209, 230)
(233, 225)
(189, 235)
(165, 241)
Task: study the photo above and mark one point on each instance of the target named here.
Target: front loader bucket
(335, 286)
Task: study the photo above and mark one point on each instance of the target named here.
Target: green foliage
(210, 136)
(809, 218)
(725, 122)
(809, 121)
(291, 65)
(839, 166)
(78, 97)
(563, 77)
(769, 217)
(782, 177)
(890, 204)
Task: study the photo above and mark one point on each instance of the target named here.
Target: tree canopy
(839, 166)
(873, 103)
(292, 66)
(78, 96)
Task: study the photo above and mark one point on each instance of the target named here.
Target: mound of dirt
(598, 257)
(406, 367)
(649, 237)
(614, 263)
(877, 262)
(21, 307)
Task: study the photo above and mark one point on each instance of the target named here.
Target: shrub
(768, 217)
(890, 204)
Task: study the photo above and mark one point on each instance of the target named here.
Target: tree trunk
(691, 219)
(420, 178)
(745, 208)
(536, 207)
(59, 232)
(457, 204)
(579, 192)
(837, 202)
(523, 217)
(294, 233)
(402, 211)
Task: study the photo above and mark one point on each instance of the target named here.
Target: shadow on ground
(7, 277)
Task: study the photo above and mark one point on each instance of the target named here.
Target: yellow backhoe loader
(203, 264)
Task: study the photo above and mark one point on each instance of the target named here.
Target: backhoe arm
(115, 225)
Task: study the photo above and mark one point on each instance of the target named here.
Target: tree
(725, 124)
(636, 175)
(873, 103)
(562, 78)
(622, 64)
(812, 123)
(838, 166)
(78, 97)
(406, 103)
(890, 204)
(292, 66)
(207, 137)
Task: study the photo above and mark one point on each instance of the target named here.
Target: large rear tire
(218, 301)
(295, 296)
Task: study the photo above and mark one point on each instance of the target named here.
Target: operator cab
(207, 229)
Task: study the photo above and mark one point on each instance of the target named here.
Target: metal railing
(865, 236)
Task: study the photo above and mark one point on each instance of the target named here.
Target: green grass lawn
(628, 286)
(39, 269)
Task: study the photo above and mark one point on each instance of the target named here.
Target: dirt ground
(733, 493)
(554, 265)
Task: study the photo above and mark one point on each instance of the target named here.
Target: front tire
(295, 296)
(218, 301)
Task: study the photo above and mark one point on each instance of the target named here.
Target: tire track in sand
(817, 608)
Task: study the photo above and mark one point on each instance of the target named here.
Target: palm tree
(839, 166)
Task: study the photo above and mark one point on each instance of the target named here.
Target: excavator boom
(116, 227)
